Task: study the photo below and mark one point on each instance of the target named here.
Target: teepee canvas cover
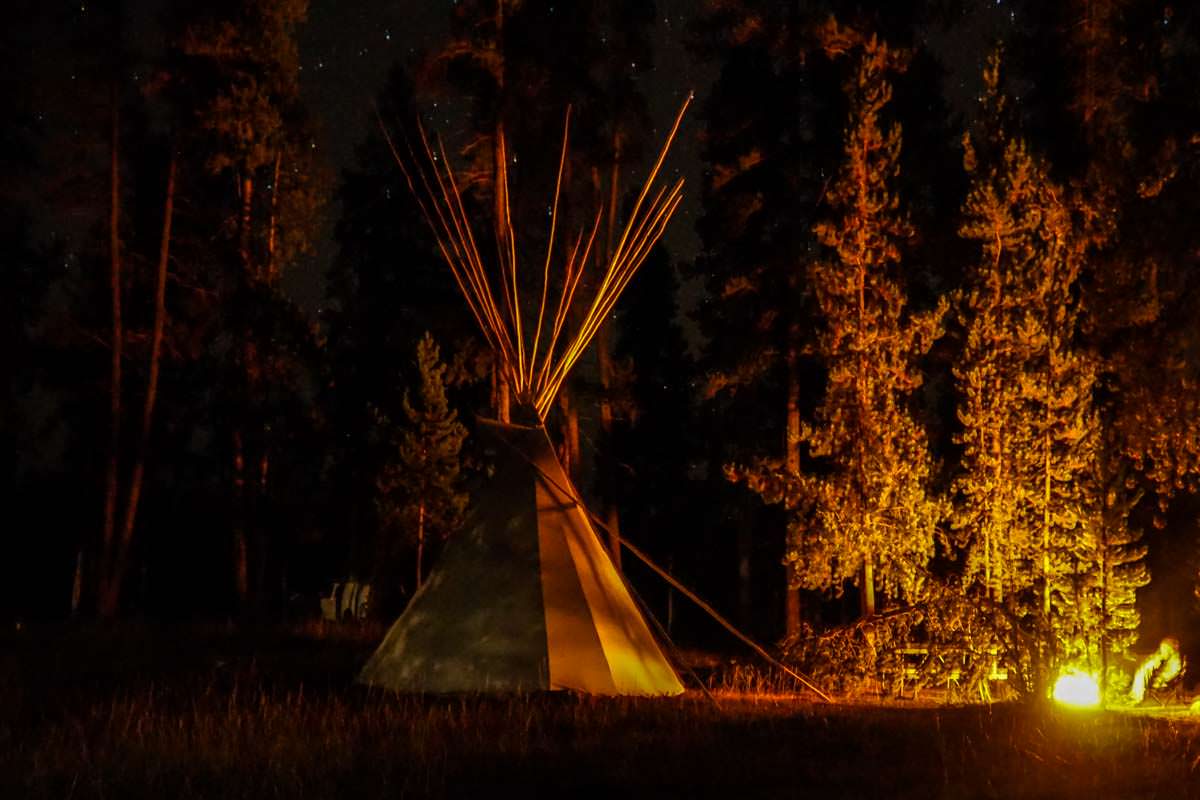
(524, 597)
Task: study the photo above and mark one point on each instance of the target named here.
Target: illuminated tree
(1064, 425)
(1117, 105)
(1025, 395)
(1006, 215)
(420, 494)
(1121, 554)
(1042, 507)
(865, 512)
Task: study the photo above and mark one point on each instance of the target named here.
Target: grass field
(136, 712)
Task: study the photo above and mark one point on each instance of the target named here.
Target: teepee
(525, 597)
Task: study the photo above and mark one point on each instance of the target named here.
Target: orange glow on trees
(1042, 536)
(869, 515)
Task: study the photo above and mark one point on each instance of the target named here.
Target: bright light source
(1077, 689)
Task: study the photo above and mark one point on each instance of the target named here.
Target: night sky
(347, 50)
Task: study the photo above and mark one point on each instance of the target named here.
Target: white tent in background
(525, 597)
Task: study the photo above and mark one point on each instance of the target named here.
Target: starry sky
(347, 49)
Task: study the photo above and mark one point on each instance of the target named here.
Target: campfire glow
(1077, 689)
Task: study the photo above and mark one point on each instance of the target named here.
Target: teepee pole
(724, 623)
(665, 638)
(494, 295)
(562, 160)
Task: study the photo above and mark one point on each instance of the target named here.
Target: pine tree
(866, 511)
(420, 494)
(1005, 215)
(1041, 507)
(874, 510)
(1121, 553)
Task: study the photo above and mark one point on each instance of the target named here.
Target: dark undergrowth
(208, 713)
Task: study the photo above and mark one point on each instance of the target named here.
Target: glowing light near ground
(1077, 689)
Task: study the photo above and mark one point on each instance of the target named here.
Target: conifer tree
(1122, 566)
(421, 499)
(874, 510)
(1041, 508)
(1005, 214)
(866, 512)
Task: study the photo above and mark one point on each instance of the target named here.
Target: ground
(135, 712)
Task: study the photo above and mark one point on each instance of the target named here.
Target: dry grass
(206, 713)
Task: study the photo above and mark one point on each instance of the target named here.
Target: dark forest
(897, 377)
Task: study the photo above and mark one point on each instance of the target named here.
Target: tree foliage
(866, 506)
(1041, 518)
(420, 493)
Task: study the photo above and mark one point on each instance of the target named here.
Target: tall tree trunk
(244, 223)
(867, 587)
(503, 397)
(420, 543)
(745, 547)
(1045, 637)
(792, 608)
(867, 591)
(241, 568)
(500, 200)
(273, 221)
(1105, 573)
(992, 549)
(570, 445)
(118, 340)
(503, 393)
(1046, 527)
(612, 513)
(77, 584)
(113, 582)
(243, 490)
(260, 530)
